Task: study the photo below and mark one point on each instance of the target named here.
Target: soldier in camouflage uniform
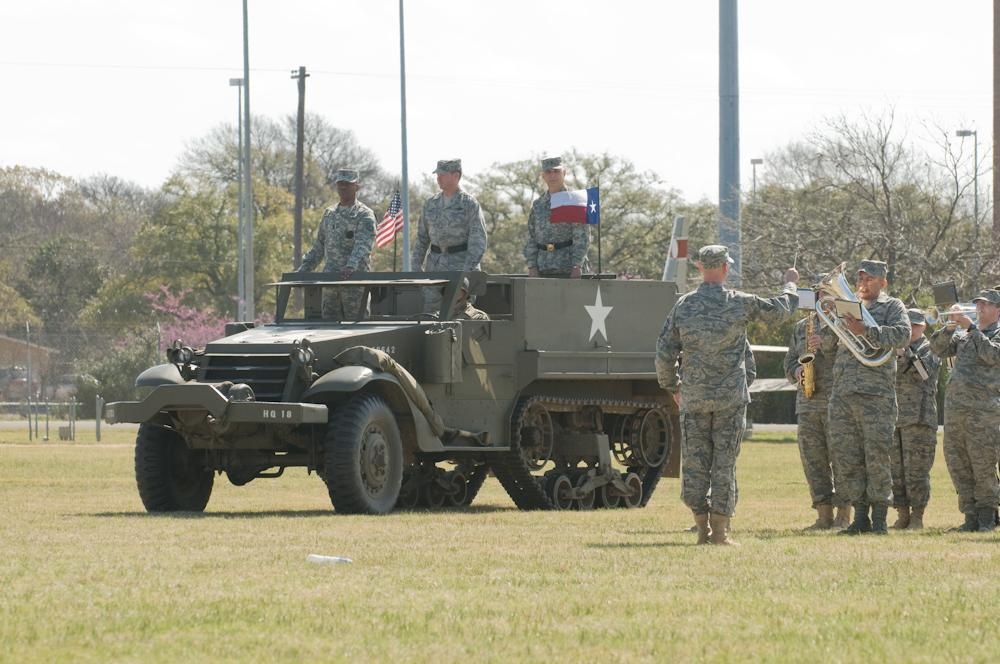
(862, 406)
(751, 366)
(345, 238)
(463, 308)
(813, 438)
(915, 438)
(452, 228)
(972, 409)
(554, 250)
(708, 327)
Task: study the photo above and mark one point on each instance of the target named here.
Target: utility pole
(996, 118)
(300, 131)
(729, 136)
(241, 282)
(247, 187)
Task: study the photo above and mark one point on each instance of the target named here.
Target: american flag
(391, 223)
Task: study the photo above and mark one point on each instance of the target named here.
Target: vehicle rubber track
(514, 474)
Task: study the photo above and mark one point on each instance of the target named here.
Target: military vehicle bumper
(204, 397)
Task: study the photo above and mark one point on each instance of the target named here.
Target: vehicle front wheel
(170, 476)
(363, 457)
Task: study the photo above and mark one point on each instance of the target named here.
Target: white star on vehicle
(598, 316)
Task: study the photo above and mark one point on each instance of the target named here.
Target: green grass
(87, 575)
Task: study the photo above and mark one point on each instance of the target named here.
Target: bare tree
(858, 189)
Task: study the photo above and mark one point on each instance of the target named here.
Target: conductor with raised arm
(707, 330)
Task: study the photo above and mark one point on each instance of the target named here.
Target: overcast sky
(120, 87)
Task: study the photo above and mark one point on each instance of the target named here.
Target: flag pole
(599, 230)
(395, 234)
(402, 115)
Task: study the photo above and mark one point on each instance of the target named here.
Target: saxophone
(808, 380)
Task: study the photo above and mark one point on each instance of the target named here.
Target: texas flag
(580, 206)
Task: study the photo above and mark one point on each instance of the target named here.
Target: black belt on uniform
(552, 246)
(454, 249)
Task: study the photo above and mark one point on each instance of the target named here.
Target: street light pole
(965, 133)
(754, 163)
(240, 280)
(974, 133)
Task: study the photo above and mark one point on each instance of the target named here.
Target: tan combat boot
(843, 518)
(824, 520)
(916, 519)
(903, 520)
(701, 523)
(720, 530)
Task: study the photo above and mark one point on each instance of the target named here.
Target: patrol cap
(916, 317)
(874, 268)
(989, 295)
(346, 175)
(551, 163)
(449, 166)
(714, 255)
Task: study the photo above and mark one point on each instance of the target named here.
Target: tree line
(81, 260)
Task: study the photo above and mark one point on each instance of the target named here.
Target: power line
(666, 89)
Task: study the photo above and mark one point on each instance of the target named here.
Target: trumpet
(936, 315)
(862, 349)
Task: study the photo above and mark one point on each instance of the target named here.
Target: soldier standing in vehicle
(862, 409)
(915, 438)
(554, 250)
(812, 436)
(344, 239)
(452, 228)
(972, 409)
(463, 308)
(707, 329)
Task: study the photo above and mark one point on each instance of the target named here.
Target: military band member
(972, 409)
(707, 329)
(554, 250)
(451, 228)
(813, 439)
(862, 406)
(344, 240)
(915, 438)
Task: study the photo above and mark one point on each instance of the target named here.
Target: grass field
(87, 575)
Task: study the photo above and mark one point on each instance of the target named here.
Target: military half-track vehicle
(556, 394)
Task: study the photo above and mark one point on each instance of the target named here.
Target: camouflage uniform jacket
(975, 381)
(471, 313)
(345, 238)
(916, 397)
(822, 366)
(892, 330)
(454, 222)
(542, 231)
(708, 326)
